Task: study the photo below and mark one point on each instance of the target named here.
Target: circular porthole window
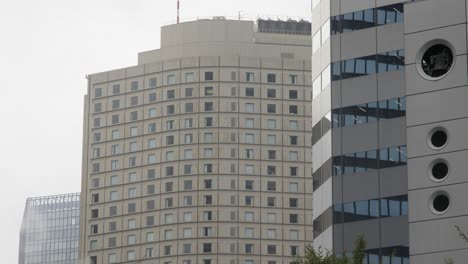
(438, 138)
(435, 59)
(438, 170)
(440, 203)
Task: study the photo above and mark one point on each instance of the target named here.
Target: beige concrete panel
(173, 64)
(209, 61)
(135, 71)
(249, 62)
(191, 62)
(154, 67)
(116, 75)
(293, 64)
(98, 78)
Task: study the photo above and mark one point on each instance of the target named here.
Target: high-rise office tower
(437, 128)
(368, 56)
(50, 230)
(201, 152)
(359, 128)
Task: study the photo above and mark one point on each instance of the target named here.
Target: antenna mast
(178, 11)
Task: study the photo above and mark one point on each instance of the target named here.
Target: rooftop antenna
(178, 11)
(240, 15)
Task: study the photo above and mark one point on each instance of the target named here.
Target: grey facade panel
(437, 106)
(421, 16)
(391, 85)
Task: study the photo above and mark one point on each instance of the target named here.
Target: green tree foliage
(319, 256)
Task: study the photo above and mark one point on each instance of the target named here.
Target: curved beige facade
(200, 158)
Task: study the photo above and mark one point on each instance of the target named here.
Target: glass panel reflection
(369, 209)
(367, 18)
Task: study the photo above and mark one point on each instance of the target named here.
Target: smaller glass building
(50, 230)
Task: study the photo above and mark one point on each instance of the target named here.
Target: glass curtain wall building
(359, 128)
(50, 230)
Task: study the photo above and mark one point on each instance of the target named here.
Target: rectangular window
(292, 94)
(209, 107)
(188, 107)
(98, 92)
(170, 109)
(189, 77)
(293, 79)
(249, 77)
(115, 104)
(171, 79)
(150, 220)
(116, 89)
(134, 100)
(271, 108)
(249, 107)
(271, 93)
(249, 92)
(293, 109)
(271, 123)
(188, 92)
(188, 123)
(271, 186)
(152, 82)
(209, 76)
(209, 91)
(134, 85)
(249, 123)
(271, 78)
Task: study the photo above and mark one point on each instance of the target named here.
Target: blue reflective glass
(374, 208)
(348, 208)
(362, 208)
(394, 208)
(384, 207)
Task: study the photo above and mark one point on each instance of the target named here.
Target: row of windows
(115, 180)
(248, 169)
(169, 218)
(208, 184)
(187, 249)
(248, 138)
(362, 19)
(170, 234)
(189, 93)
(360, 162)
(361, 210)
(188, 78)
(367, 65)
(189, 123)
(188, 201)
(388, 255)
(367, 160)
(189, 108)
(359, 114)
(370, 209)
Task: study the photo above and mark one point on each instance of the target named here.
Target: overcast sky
(46, 49)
